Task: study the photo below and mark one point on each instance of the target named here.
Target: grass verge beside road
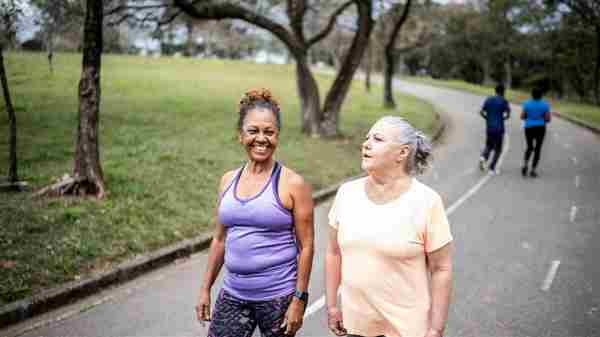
(167, 133)
(585, 112)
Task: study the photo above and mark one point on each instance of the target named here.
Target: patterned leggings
(233, 317)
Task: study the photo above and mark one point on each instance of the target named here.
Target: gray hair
(420, 146)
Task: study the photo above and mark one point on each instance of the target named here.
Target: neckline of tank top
(264, 188)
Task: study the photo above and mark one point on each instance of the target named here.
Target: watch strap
(301, 295)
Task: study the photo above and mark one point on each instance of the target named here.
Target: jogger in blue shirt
(495, 111)
(536, 114)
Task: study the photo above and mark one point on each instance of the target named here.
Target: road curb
(68, 293)
(577, 122)
(50, 299)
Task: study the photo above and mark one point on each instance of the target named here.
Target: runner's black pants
(535, 138)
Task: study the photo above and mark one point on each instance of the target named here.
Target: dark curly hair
(258, 99)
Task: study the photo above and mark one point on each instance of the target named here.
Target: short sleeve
(485, 104)
(334, 211)
(438, 229)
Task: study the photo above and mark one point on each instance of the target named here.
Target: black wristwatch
(301, 295)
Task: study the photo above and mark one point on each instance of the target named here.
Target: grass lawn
(585, 112)
(167, 134)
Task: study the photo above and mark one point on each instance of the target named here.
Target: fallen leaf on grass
(7, 264)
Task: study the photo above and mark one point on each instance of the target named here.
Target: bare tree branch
(219, 11)
(296, 9)
(124, 8)
(330, 24)
(399, 23)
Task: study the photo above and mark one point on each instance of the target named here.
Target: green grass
(167, 134)
(585, 112)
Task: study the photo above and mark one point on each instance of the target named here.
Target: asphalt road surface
(526, 250)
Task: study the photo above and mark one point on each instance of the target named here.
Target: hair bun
(258, 95)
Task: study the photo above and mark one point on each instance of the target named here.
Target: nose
(366, 144)
(261, 137)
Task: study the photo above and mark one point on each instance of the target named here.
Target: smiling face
(259, 134)
(382, 151)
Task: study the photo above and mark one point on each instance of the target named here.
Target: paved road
(526, 249)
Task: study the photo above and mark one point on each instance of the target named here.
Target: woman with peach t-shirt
(389, 243)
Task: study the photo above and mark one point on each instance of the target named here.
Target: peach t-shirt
(385, 284)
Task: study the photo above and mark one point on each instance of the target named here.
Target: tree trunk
(391, 57)
(339, 89)
(12, 124)
(308, 91)
(487, 71)
(597, 70)
(50, 49)
(87, 167)
(368, 67)
(388, 78)
(507, 73)
(190, 38)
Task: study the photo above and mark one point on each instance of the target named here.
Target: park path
(525, 256)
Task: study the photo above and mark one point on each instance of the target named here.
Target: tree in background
(87, 178)
(316, 121)
(57, 17)
(11, 12)
(391, 52)
(87, 171)
(13, 177)
(589, 13)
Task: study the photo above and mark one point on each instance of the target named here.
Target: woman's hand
(336, 322)
(293, 317)
(203, 307)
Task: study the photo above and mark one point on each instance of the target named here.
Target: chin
(260, 158)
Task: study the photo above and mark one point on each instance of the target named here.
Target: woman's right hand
(336, 322)
(203, 307)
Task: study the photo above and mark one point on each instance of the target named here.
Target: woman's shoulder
(290, 176)
(292, 181)
(352, 186)
(226, 179)
(426, 192)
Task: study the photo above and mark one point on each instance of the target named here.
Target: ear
(403, 153)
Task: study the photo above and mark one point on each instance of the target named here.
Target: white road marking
(319, 303)
(573, 213)
(574, 159)
(577, 181)
(479, 184)
(315, 306)
(550, 276)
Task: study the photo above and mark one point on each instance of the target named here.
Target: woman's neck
(258, 168)
(384, 188)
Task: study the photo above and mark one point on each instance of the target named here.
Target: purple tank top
(260, 248)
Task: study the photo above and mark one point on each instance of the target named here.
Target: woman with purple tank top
(263, 236)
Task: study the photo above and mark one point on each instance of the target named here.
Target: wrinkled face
(381, 150)
(259, 134)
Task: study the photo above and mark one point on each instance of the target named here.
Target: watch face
(302, 295)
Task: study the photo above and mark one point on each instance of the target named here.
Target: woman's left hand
(293, 317)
